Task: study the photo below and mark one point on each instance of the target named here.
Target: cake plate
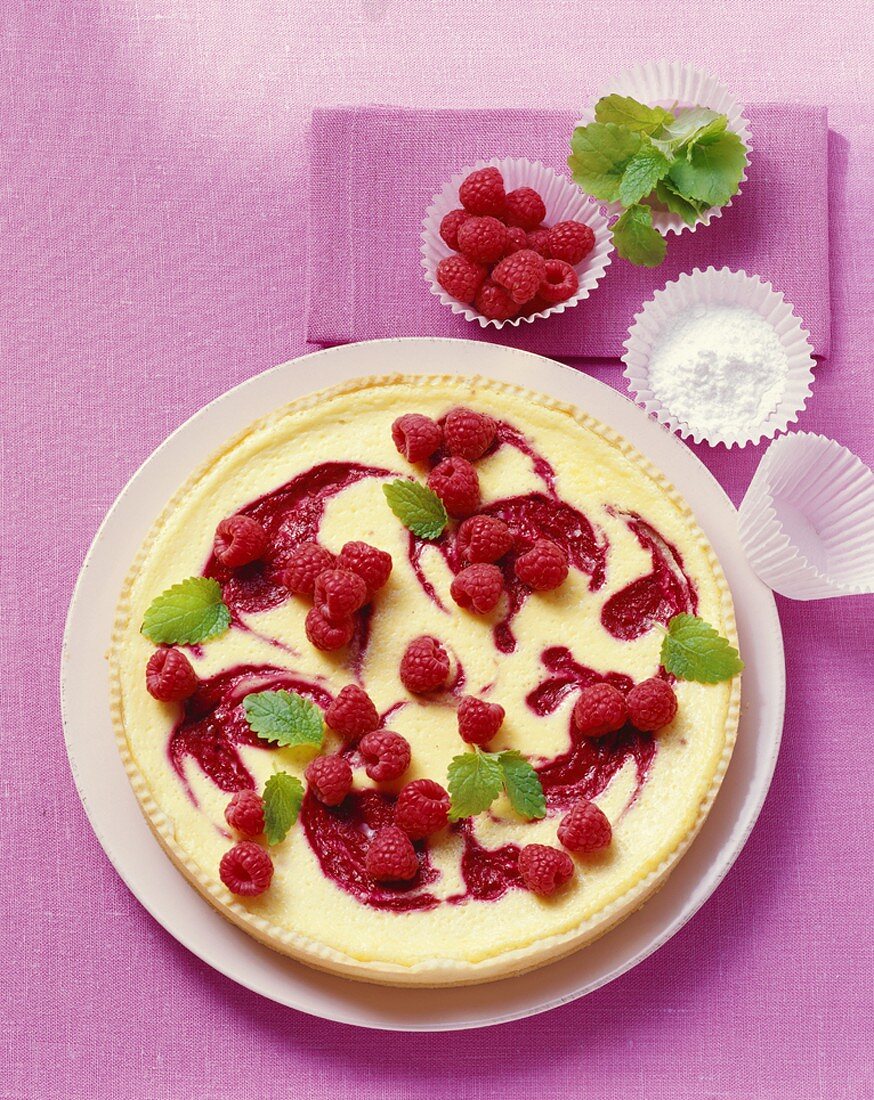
(128, 842)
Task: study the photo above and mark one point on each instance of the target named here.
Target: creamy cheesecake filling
(315, 470)
(214, 723)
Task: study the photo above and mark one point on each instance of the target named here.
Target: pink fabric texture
(154, 179)
(374, 171)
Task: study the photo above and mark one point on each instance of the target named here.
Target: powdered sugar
(721, 369)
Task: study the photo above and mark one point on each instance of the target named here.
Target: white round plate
(136, 855)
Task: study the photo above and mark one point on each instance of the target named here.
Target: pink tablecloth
(153, 196)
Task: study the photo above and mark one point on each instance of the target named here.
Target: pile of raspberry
(507, 262)
(340, 587)
(482, 541)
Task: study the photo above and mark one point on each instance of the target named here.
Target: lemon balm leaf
(283, 798)
(627, 112)
(642, 173)
(417, 507)
(693, 650)
(189, 612)
(711, 171)
(637, 240)
(600, 153)
(284, 718)
(523, 786)
(475, 780)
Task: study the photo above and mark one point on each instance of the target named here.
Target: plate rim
(728, 852)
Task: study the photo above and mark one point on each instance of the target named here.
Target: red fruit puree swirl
(213, 724)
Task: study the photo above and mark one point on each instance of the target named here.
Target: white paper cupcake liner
(564, 202)
(807, 520)
(720, 287)
(664, 84)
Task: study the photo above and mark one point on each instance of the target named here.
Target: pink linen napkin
(374, 171)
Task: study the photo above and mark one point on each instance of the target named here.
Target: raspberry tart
(408, 683)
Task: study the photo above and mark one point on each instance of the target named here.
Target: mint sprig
(683, 160)
(693, 650)
(283, 798)
(285, 718)
(188, 613)
(475, 780)
(417, 507)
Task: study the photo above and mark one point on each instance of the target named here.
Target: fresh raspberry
(169, 676)
(468, 434)
(571, 242)
(652, 704)
(521, 274)
(391, 856)
(478, 588)
(450, 224)
(245, 813)
(478, 721)
(416, 437)
(387, 754)
(424, 665)
(327, 635)
(543, 567)
(239, 540)
(246, 869)
(461, 278)
(305, 563)
(600, 709)
(483, 538)
(495, 303)
(483, 240)
(525, 208)
(538, 241)
(455, 481)
(544, 869)
(422, 808)
(585, 828)
(560, 282)
(517, 239)
(482, 192)
(352, 713)
(339, 593)
(330, 778)
(371, 564)
(536, 305)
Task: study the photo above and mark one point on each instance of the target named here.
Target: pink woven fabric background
(153, 198)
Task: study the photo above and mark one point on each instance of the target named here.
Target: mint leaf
(284, 718)
(417, 507)
(693, 650)
(599, 155)
(187, 613)
(711, 170)
(283, 797)
(636, 240)
(691, 125)
(642, 173)
(522, 784)
(627, 112)
(475, 781)
(690, 210)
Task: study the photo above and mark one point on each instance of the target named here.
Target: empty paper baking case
(807, 520)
